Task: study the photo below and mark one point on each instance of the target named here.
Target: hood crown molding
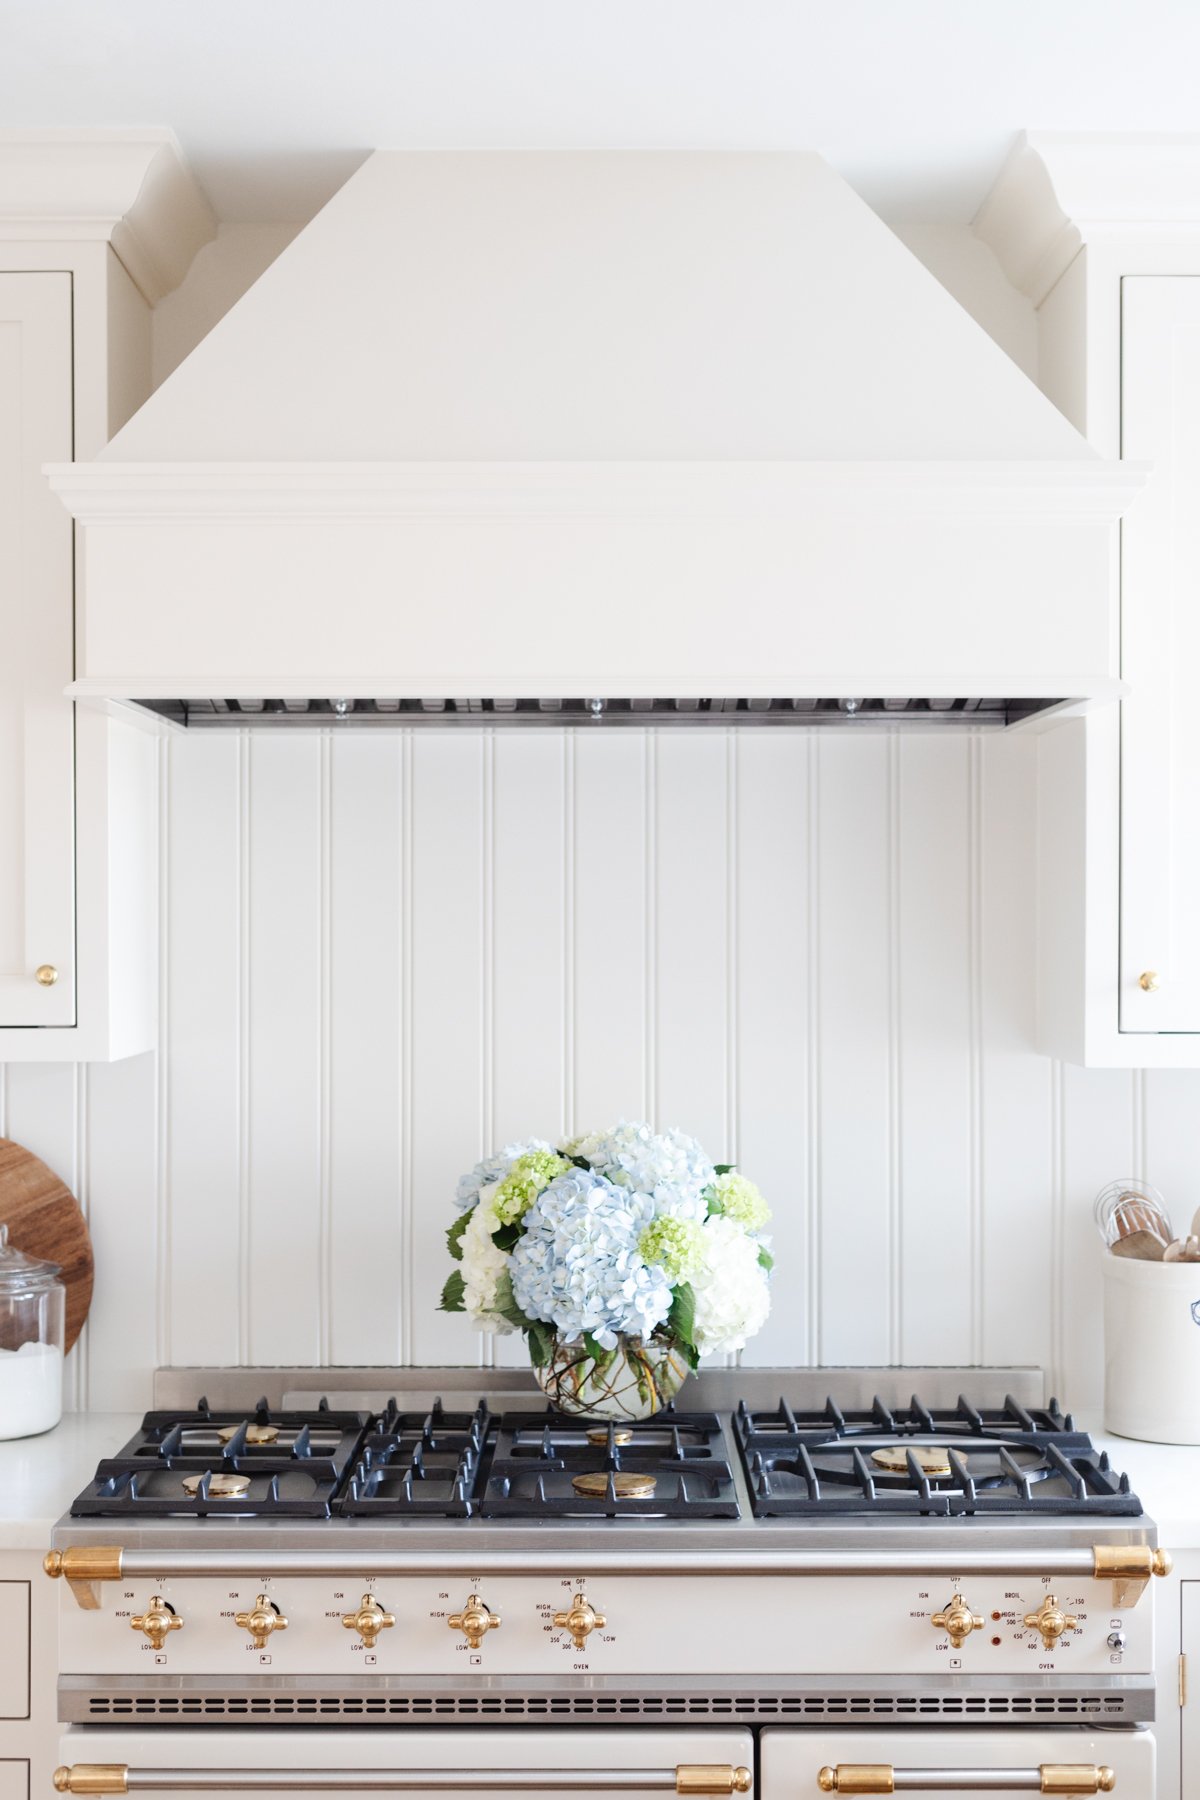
(131, 189)
(1058, 191)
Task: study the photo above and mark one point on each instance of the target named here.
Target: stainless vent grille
(356, 713)
(493, 1707)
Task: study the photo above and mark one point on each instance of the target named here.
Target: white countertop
(40, 1476)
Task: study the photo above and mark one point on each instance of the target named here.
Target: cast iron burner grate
(234, 1463)
(916, 1461)
(419, 1463)
(675, 1465)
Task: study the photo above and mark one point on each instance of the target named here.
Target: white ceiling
(915, 101)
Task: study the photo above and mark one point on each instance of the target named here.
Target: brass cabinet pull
(45, 974)
(685, 1778)
(1047, 1778)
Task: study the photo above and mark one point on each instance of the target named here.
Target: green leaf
(507, 1236)
(724, 1168)
(715, 1206)
(765, 1259)
(507, 1307)
(453, 1293)
(681, 1320)
(594, 1349)
(454, 1236)
(540, 1339)
(581, 1162)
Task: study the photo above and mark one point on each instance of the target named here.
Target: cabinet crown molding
(1058, 191)
(131, 189)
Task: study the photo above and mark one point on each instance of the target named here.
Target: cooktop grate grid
(918, 1461)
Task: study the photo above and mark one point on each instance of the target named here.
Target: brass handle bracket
(84, 1566)
(1051, 1778)
(1129, 1567)
(92, 1778)
(712, 1778)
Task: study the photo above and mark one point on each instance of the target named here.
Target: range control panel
(580, 1623)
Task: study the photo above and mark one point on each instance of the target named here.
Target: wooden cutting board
(44, 1219)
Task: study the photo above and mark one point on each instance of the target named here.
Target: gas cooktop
(901, 1462)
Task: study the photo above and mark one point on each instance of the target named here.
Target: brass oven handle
(118, 1778)
(1047, 1778)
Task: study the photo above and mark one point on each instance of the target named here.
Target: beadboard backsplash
(383, 954)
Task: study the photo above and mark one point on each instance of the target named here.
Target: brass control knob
(581, 1621)
(157, 1622)
(474, 1621)
(957, 1621)
(369, 1621)
(1051, 1621)
(263, 1618)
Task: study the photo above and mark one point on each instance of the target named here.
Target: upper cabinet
(1103, 234)
(93, 230)
(37, 726)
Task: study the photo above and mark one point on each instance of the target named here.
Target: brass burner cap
(622, 1434)
(221, 1487)
(255, 1434)
(628, 1486)
(894, 1458)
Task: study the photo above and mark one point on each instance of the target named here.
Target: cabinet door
(1160, 656)
(37, 824)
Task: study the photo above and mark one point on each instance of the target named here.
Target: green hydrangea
(524, 1182)
(741, 1201)
(677, 1245)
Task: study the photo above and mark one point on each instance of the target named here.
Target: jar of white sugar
(32, 1320)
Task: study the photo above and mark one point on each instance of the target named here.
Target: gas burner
(675, 1465)
(209, 1461)
(913, 1461)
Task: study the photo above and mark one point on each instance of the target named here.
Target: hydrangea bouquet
(624, 1256)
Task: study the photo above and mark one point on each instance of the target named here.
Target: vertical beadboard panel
(1097, 1143)
(202, 1113)
(771, 1009)
(856, 1051)
(932, 1085)
(531, 879)
(529, 983)
(690, 1001)
(450, 1072)
(282, 1286)
(1016, 1279)
(122, 1209)
(361, 1201)
(609, 918)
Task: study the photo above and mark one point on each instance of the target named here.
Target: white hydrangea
(732, 1292)
(491, 1170)
(482, 1263)
(668, 1165)
(578, 1266)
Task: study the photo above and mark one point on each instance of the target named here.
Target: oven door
(956, 1759)
(414, 1760)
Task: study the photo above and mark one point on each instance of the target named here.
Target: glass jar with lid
(32, 1325)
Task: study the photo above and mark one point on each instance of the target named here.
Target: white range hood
(597, 435)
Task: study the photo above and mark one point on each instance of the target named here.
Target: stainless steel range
(800, 1581)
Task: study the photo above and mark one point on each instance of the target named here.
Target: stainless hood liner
(586, 714)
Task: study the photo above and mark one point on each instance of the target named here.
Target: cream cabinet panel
(14, 1778)
(14, 1650)
(1160, 743)
(37, 828)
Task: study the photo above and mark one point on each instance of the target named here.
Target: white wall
(383, 953)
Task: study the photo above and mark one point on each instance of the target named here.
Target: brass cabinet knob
(474, 1621)
(580, 1621)
(263, 1618)
(46, 974)
(1148, 980)
(957, 1621)
(157, 1622)
(1051, 1621)
(369, 1621)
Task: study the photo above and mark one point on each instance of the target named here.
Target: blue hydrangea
(667, 1165)
(578, 1266)
(492, 1168)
